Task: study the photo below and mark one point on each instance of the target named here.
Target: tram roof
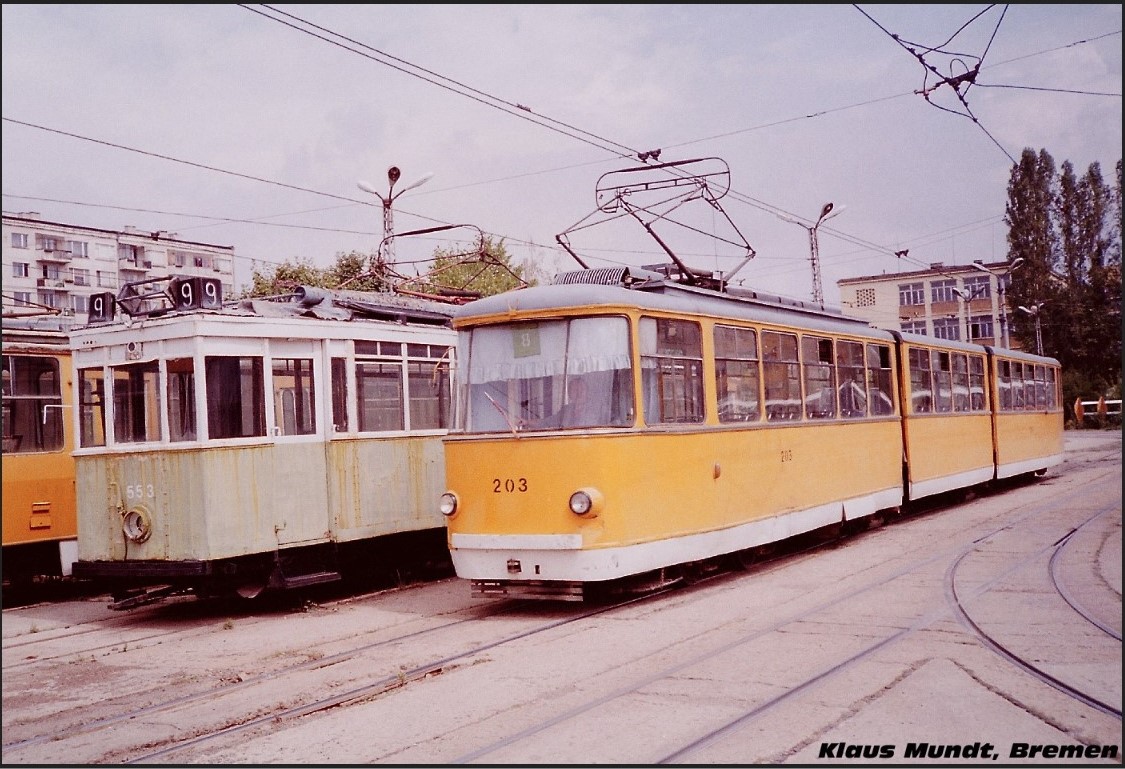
(670, 296)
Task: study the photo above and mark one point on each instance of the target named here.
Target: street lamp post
(387, 254)
(1000, 276)
(966, 299)
(826, 212)
(1034, 311)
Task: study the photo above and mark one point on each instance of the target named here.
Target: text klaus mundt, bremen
(981, 750)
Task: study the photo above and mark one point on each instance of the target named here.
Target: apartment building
(964, 302)
(59, 266)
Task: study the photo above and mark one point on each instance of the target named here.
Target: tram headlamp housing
(448, 504)
(586, 502)
(136, 525)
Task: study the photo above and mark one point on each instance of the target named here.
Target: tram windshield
(546, 375)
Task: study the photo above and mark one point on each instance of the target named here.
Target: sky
(250, 126)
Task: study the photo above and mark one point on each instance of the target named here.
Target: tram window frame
(921, 381)
(819, 374)
(943, 381)
(1004, 384)
(235, 390)
(339, 377)
(959, 368)
(182, 424)
(137, 402)
(672, 370)
(880, 381)
(1019, 400)
(294, 395)
(852, 374)
(91, 407)
(977, 399)
(429, 393)
(1040, 387)
(781, 376)
(738, 379)
(32, 404)
(1052, 388)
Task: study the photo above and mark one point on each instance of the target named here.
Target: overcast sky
(249, 126)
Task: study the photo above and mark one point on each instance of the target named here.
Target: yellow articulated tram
(274, 444)
(625, 425)
(40, 531)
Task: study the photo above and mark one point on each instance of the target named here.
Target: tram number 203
(509, 485)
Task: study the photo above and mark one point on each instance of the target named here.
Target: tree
(1066, 229)
(280, 279)
(484, 271)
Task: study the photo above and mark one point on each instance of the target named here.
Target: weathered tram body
(269, 445)
(722, 420)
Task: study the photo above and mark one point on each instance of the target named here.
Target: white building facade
(56, 266)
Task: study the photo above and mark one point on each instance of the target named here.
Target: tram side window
(976, 383)
(235, 397)
(943, 381)
(879, 390)
(340, 395)
(1052, 392)
(379, 396)
(921, 384)
(781, 374)
(427, 375)
(1018, 400)
(91, 407)
(136, 402)
(960, 366)
(1040, 387)
(33, 419)
(820, 377)
(736, 374)
(1004, 385)
(853, 379)
(672, 370)
(294, 409)
(181, 399)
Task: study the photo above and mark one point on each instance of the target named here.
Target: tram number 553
(509, 485)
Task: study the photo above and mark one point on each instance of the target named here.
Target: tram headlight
(586, 502)
(448, 504)
(136, 525)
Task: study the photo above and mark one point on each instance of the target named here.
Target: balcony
(51, 283)
(54, 256)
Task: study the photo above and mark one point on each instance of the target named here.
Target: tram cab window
(91, 407)
(181, 400)
(943, 381)
(235, 397)
(671, 370)
(960, 366)
(736, 374)
(136, 402)
(33, 418)
(522, 376)
(879, 383)
(820, 377)
(853, 379)
(781, 376)
(293, 396)
(921, 382)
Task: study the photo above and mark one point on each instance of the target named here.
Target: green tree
(1066, 230)
(486, 270)
(284, 278)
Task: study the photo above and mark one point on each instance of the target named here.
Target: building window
(978, 287)
(980, 327)
(947, 328)
(52, 272)
(22, 297)
(107, 279)
(77, 248)
(914, 327)
(132, 254)
(943, 291)
(49, 299)
(47, 244)
(19, 240)
(911, 294)
(80, 277)
(20, 270)
(79, 303)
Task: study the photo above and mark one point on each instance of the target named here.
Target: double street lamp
(826, 212)
(387, 251)
(1000, 282)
